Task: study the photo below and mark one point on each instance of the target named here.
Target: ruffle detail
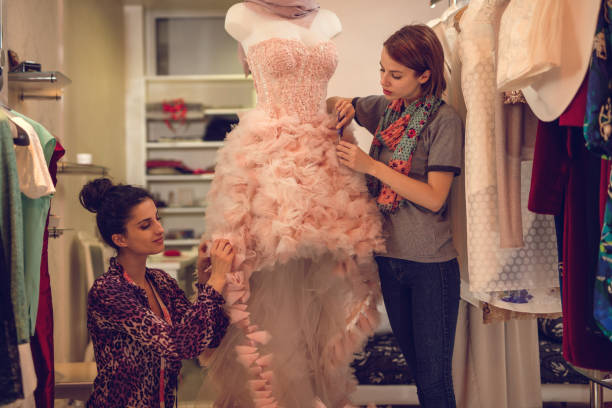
(280, 196)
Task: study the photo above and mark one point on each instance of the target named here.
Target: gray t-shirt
(413, 232)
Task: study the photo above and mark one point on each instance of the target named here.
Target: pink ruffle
(279, 194)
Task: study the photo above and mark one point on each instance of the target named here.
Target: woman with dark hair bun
(415, 155)
(141, 323)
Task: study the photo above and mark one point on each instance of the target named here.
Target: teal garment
(11, 229)
(35, 213)
(598, 136)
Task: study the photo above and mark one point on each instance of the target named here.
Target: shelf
(166, 116)
(197, 78)
(184, 145)
(55, 232)
(181, 242)
(182, 210)
(38, 85)
(180, 177)
(225, 111)
(75, 168)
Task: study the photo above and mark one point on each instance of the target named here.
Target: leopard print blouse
(130, 340)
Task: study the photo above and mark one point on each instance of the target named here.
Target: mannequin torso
(250, 27)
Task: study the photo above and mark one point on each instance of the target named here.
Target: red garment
(550, 170)
(566, 176)
(574, 114)
(582, 344)
(42, 341)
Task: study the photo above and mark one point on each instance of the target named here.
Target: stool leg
(596, 395)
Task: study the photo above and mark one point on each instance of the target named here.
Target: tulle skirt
(303, 290)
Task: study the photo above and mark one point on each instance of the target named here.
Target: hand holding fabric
(353, 157)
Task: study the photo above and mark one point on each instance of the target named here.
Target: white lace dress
(523, 279)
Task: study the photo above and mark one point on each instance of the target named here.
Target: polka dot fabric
(523, 279)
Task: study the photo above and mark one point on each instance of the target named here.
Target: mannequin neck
(250, 27)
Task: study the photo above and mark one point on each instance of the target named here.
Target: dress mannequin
(250, 24)
(303, 289)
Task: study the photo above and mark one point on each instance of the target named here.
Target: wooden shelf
(180, 177)
(182, 210)
(225, 111)
(181, 242)
(197, 78)
(166, 116)
(75, 168)
(184, 145)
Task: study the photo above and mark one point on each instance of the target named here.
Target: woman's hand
(344, 112)
(353, 157)
(342, 108)
(221, 257)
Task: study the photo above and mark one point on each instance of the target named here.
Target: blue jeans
(422, 301)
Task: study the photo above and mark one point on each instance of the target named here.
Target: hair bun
(92, 194)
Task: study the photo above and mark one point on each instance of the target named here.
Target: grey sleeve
(369, 110)
(446, 142)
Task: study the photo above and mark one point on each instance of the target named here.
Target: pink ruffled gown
(302, 295)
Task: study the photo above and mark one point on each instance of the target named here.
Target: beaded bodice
(291, 77)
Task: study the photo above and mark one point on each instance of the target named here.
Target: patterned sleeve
(203, 324)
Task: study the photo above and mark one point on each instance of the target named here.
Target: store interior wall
(94, 123)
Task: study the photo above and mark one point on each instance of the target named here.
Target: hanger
(457, 18)
(22, 138)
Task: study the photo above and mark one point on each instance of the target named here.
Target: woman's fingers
(222, 247)
(345, 147)
(345, 112)
(227, 248)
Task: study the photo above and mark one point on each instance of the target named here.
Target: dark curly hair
(112, 204)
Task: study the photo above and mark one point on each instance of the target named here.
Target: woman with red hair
(415, 155)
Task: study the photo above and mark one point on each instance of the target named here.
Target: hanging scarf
(398, 131)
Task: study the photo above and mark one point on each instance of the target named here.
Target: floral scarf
(398, 131)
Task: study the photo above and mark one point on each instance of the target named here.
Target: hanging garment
(478, 383)
(522, 279)
(10, 370)
(303, 293)
(566, 183)
(34, 217)
(28, 378)
(42, 341)
(598, 135)
(529, 42)
(551, 92)
(496, 365)
(11, 228)
(34, 178)
(583, 344)
(515, 134)
(604, 182)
